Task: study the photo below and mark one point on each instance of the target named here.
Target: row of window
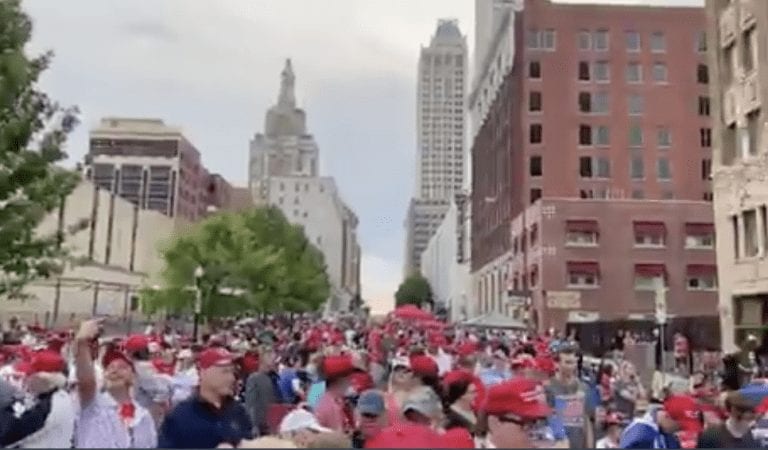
(599, 135)
(298, 187)
(599, 40)
(635, 103)
(600, 72)
(586, 275)
(751, 226)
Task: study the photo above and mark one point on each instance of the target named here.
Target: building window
(663, 137)
(702, 74)
(584, 72)
(701, 42)
(536, 169)
(585, 102)
(535, 195)
(706, 168)
(535, 133)
(660, 73)
(534, 276)
(663, 172)
(632, 41)
(541, 39)
(699, 236)
(603, 167)
(282, 187)
(701, 278)
(708, 197)
(747, 50)
(534, 101)
(636, 168)
(585, 40)
(634, 73)
(585, 135)
(650, 234)
(704, 106)
(585, 167)
(635, 136)
(751, 248)
(764, 219)
(583, 233)
(736, 237)
(600, 40)
(548, 40)
(638, 194)
(600, 103)
(636, 105)
(602, 72)
(705, 137)
(601, 135)
(583, 274)
(586, 194)
(658, 42)
(648, 276)
(534, 70)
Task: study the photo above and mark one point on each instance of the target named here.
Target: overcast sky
(212, 67)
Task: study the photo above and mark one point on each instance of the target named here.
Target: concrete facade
(600, 102)
(441, 133)
(151, 165)
(285, 148)
(584, 260)
(117, 248)
(737, 55)
(445, 269)
(283, 172)
(329, 224)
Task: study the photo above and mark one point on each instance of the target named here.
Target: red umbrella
(412, 312)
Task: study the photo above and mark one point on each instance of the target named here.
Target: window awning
(697, 270)
(699, 229)
(583, 267)
(651, 228)
(582, 226)
(651, 270)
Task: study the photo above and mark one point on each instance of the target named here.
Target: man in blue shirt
(211, 417)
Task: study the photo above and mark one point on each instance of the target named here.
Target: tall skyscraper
(441, 91)
(285, 148)
(284, 174)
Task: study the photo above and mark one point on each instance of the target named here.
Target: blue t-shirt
(194, 423)
(285, 384)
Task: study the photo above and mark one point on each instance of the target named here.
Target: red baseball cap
(136, 343)
(406, 436)
(114, 355)
(457, 437)
(456, 376)
(337, 366)
(684, 410)
(214, 356)
(424, 365)
(520, 396)
(46, 361)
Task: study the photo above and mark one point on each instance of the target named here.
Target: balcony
(727, 26)
(747, 15)
(730, 109)
(751, 93)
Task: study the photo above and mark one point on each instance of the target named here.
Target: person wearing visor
(401, 381)
(301, 427)
(516, 412)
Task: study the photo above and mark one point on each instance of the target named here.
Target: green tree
(253, 261)
(415, 290)
(33, 130)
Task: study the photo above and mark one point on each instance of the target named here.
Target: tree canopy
(252, 261)
(414, 290)
(33, 130)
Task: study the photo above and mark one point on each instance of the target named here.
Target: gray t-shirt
(625, 405)
(570, 403)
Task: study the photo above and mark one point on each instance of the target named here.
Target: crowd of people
(306, 382)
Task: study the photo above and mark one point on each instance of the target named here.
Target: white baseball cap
(301, 419)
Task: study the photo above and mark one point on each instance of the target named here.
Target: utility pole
(199, 273)
(661, 320)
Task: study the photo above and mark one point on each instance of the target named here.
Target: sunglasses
(370, 416)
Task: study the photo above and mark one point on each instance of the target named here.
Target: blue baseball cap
(371, 402)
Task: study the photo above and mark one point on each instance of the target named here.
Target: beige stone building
(739, 70)
(121, 244)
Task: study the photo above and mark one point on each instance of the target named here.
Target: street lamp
(199, 272)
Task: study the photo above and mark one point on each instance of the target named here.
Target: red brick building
(597, 259)
(601, 102)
